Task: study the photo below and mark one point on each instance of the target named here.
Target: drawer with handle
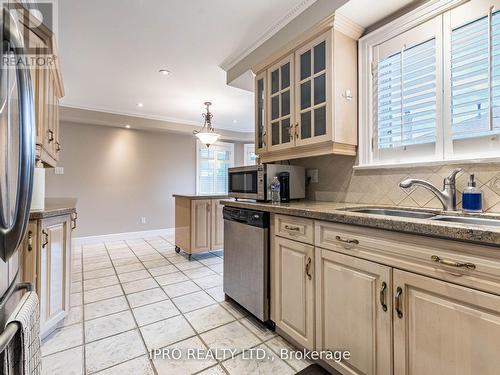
(294, 228)
(472, 265)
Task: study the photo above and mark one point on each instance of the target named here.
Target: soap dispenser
(472, 197)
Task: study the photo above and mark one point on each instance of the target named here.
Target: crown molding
(87, 116)
(232, 60)
(347, 26)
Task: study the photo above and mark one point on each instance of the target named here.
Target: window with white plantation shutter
(475, 78)
(405, 97)
(212, 166)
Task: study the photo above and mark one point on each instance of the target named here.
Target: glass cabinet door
(280, 98)
(260, 113)
(313, 89)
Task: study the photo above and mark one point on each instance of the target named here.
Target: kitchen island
(199, 225)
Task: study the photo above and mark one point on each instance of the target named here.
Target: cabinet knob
(51, 135)
(46, 236)
(450, 263)
(382, 296)
(397, 302)
(30, 240)
(308, 268)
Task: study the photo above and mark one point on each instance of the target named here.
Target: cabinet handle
(58, 147)
(297, 130)
(347, 240)
(308, 268)
(382, 296)
(294, 229)
(46, 235)
(397, 302)
(51, 135)
(450, 263)
(30, 240)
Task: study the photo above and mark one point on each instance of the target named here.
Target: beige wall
(339, 182)
(120, 175)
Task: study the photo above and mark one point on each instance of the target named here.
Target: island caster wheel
(177, 249)
(189, 257)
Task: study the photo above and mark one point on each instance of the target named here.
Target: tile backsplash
(339, 182)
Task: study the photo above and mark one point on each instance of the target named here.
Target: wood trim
(413, 253)
(231, 61)
(366, 45)
(335, 21)
(324, 148)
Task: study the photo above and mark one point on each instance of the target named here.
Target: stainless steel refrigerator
(17, 159)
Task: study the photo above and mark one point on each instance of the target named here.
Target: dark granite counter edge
(51, 212)
(201, 196)
(459, 232)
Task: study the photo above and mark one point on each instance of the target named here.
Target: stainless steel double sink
(425, 215)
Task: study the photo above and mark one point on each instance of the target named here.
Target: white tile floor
(134, 295)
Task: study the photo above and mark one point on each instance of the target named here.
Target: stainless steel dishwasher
(246, 259)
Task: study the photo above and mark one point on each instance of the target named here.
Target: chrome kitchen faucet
(448, 197)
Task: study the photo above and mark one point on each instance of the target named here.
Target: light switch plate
(313, 175)
(59, 170)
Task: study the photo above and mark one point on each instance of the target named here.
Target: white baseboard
(78, 241)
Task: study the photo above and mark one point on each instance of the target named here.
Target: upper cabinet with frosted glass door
(306, 98)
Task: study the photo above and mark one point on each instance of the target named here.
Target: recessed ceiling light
(140, 105)
(235, 121)
(127, 126)
(164, 72)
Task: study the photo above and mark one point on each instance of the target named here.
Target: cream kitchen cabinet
(443, 328)
(48, 89)
(310, 105)
(47, 265)
(401, 304)
(354, 311)
(216, 225)
(199, 225)
(294, 290)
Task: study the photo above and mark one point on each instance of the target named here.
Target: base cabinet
(294, 290)
(47, 265)
(442, 328)
(353, 311)
(199, 225)
(367, 294)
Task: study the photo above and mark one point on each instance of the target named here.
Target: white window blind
(405, 97)
(212, 165)
(475, 78)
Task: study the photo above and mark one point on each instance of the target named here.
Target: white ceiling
(368, 12)
(111, 51)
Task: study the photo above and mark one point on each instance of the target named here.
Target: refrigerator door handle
(13, 223)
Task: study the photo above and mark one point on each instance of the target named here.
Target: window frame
(247, 148)
(367, 50)
(228, 145)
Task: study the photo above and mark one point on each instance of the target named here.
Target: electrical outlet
(143, 220)
(59, 170)
(313, 175)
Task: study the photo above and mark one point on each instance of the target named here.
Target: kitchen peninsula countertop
(54, 207)
(335, 212)
(201, 196)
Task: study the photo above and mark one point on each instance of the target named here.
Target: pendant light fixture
(207, 134)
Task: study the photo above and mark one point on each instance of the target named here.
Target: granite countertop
(54, 207)
(201, 196)
(334, 212)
